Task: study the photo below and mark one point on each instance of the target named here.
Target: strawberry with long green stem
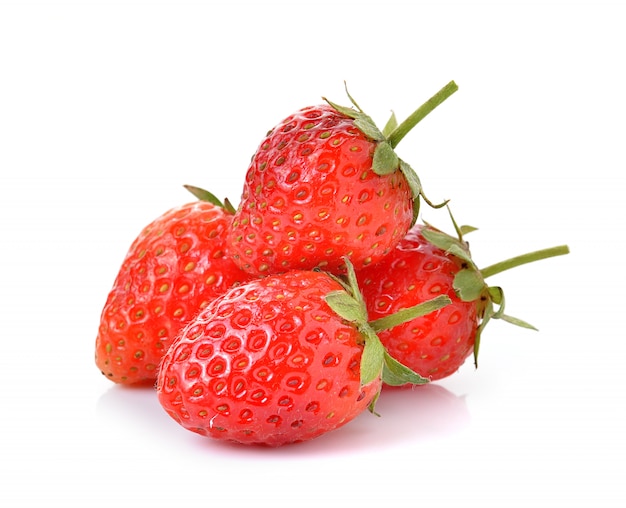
(427, 263)
(324, 184)
(281, 359)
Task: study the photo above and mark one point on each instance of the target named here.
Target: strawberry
(417, 270)
(176, 266)
(326, 183)
(273, 362)
(427, 263)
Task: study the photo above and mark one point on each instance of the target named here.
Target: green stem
(420, 113)
(410, 313)
(523, 259)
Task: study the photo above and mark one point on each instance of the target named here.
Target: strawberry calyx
(469, 283)
(385, 160)
(376, 360)
(205, 195)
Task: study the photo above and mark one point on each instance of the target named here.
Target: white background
(108, 108)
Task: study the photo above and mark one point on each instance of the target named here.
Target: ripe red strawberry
(176, 266)
(427, 263)
(415, 271)
(271, 362)
(326, 183)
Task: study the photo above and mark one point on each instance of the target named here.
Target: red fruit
(434, 345)
(176, 266)
(268, 362)
(425, 264)
(325, 184)
(311, 197)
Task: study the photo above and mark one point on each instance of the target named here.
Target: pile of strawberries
(283, 319)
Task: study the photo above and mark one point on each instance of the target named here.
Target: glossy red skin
(310, 197)
(175, 266)
(435, 345)
(268, 363)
